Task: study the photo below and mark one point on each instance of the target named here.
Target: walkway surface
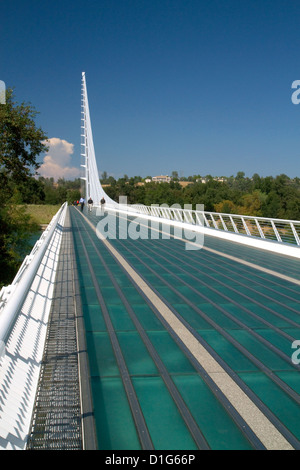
(56, 420)
(188, 349)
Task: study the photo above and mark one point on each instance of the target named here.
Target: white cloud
(57, 162)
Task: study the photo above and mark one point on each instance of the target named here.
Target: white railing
(13, 296)
(278, 230)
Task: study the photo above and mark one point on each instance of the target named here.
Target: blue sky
(200, 87)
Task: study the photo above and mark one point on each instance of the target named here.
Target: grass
(42, 214)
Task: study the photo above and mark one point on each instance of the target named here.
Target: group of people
(90, 203)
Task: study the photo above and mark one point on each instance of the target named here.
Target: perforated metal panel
(56, 420)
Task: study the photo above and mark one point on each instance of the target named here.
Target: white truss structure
(93, 186)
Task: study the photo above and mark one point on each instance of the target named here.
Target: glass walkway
(188, 349)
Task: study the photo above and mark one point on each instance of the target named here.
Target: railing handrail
(283, 231)
(219, 213)
(13, 296)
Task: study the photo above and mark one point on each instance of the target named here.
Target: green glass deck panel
(93, 318)
(219, 430)
(236, 360)
(263, 313)
(146, 318)
(274, 397)
(166, 426)
(291, 379)
(248, 315)
(114, 422)
(262, 352)
(120, 319)
(231, 302)
(192, 317)
(101, 356)
(282, 343)
(217, 316)
(137, 358)
(110, 295)
(173, 358)
(280, 263)
(89, 296)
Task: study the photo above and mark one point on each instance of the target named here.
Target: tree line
(274, 197)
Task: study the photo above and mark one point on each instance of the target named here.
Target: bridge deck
(189, 349)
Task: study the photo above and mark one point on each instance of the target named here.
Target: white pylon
(93, 186)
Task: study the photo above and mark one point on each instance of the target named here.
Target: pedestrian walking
(102, 202)
(90, 204)
(81, 202)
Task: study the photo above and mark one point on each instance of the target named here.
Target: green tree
(73, 195)
(21, 142)
(252, 203)
(226, 207)
(16, 229)
(104, 177)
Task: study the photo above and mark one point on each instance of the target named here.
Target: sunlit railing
(278, 230)
(13, 296)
